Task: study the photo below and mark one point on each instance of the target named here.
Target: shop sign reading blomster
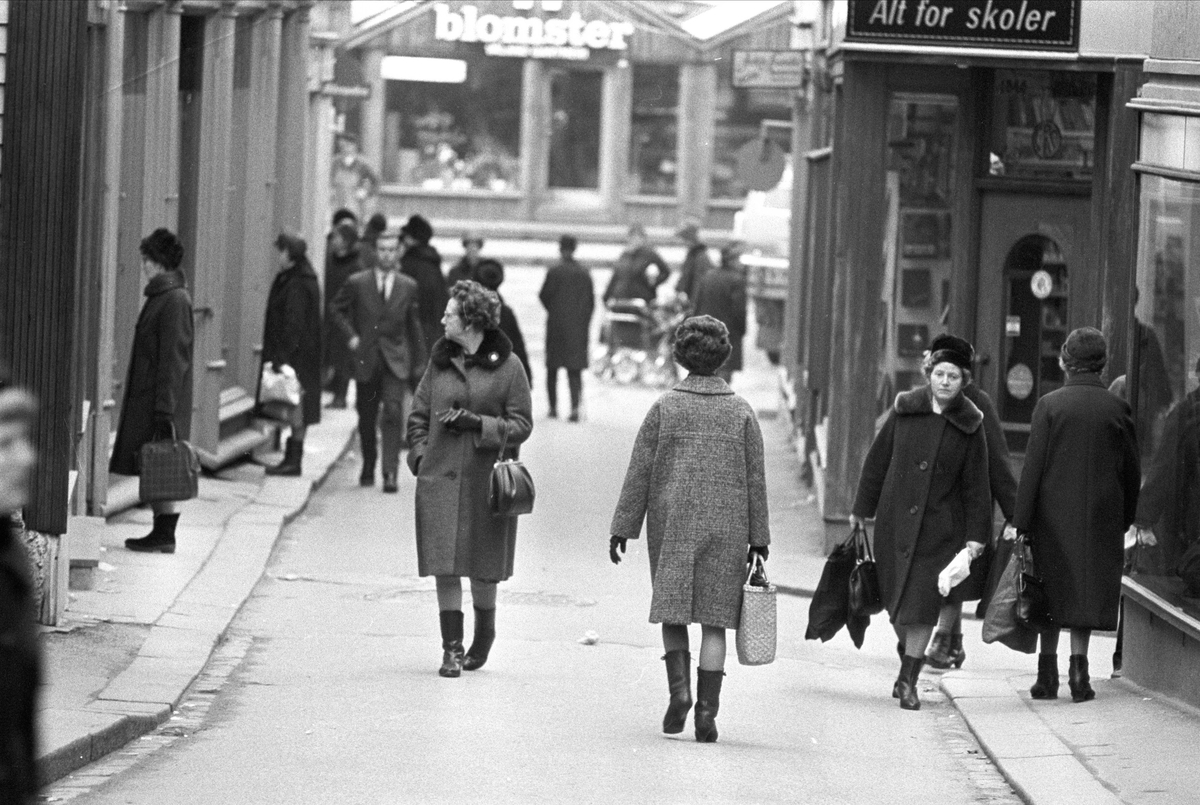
(572, 38)
(1028, 24)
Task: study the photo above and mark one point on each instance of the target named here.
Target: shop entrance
(1029, 245)
(573, 168)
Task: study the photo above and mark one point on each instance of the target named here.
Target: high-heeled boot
(485, 635)
(958, 654)
(679, 682)
(708, 702)
(906, 685)
(452, 645)
(938, 655)
(1046, 686)
(1079, 680)
(293, 457)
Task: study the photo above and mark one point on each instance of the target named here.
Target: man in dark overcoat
(422, 262)
(722, 295)
(639, 270)
(696, 262)
(341, 260)
(569, 298)
(1077, 496)
(377, 310)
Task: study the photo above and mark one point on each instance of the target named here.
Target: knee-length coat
(697, 478)
(721, 293)
(456, 532)
(1077, 496)
(292, 332)
(569, 298)
(925, 480)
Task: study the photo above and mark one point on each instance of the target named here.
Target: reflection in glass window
(1044, 124)
(456, 136)
(653, 130)
(739, 116)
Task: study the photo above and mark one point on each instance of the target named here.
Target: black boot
(958, 654)
(708, 702)
(161, 538)
(938, 655)
(900, 676)
(1078, 679)
(1046, 686)
(679, 681)
(910, 670)
(485, 635)
(293, 454)
(452, 647)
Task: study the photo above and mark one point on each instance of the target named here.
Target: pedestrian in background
(341, 260)
(352, 181)
(20, 654)
(376, 225)
(1077, 496)
(377, 311)
(491, 275)
(925, 480)
(472, 400)
(569, 298)
(422, 262)
(158, 388)
(638, 271)
(292, 337)
(696, 262)
(697, 478)
(466, 267)
(722, 295)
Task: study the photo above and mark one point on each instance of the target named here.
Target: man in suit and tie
(377, 310)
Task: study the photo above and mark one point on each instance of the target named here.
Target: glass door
(575, 111)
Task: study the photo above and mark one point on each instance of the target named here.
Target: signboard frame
(768, 69)
(946, 23)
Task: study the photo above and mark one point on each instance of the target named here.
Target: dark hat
(295, 246)
(490, 274)
(377, 222)
(163, 247)
(567, 243)
(344, 214)
(1085, 350)
(418, 228)
(953, 342)
(957, 357)
(348, 232)
(689, 230)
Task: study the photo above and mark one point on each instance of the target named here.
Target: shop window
(1044, 124)
(739, 131)
(575, 103)
(456, 136)
(654, 130)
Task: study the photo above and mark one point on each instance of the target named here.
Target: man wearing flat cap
(696, 262)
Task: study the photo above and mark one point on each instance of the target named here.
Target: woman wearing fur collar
(925, 480)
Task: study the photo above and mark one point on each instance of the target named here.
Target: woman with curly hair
(697, 478)
(473, 399)
(158, 389)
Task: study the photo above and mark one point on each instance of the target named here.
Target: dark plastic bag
(829, 609)
(1000, 624)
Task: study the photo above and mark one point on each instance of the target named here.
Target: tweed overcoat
(721, 293)
(570, 299)
(423, 263)
(160, 370)
(925, 480)
(456, 532)
(697, 478)
(1077, 496)
(292, 332)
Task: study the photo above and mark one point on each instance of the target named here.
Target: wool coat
(292, 332)
(457, 535)
(698, 480)
(925, 480)
(512, 328)
(389, 332)
(20, 671)
(1077, 496)
(1004, 494)
(722, 295)
(696, 264)
(338, 269)
(570, 299)
(631, 275)
(160, 370)
(423, 263)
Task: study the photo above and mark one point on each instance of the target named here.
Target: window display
(1044, 124)
(654, 130)
(740, 113)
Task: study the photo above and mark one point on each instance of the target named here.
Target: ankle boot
(293, 453)
(708, 702)
(938, 655)
(958, 655)
(679, 682)
(485, 635)
(1046, 686)
(452, 645)
(161, 538)
(910, 670)
(900, 676)
(1078, 679)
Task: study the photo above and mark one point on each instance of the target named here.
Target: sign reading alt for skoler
(1026, 24)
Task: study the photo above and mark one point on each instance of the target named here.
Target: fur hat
(418, 228)
(489, 274)
(344, 214)
(947, 341)
(163, 247)
(377, 222)
(1085, 350)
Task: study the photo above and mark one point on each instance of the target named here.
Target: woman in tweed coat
(697, 478)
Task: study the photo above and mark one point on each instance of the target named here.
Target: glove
(1009, 533)
(757, 550)
(461, 420)
(616, 547)
(955, 572)
(1139, 536)
(164, 426)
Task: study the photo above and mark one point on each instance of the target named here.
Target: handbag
(1033, 605)
(510, 488)
(865, 596)
(168, 470)
(279, 386)
(1000, 623)
(758, 622)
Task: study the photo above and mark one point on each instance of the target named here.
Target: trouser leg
(395, 395)
(369, 395)
(575, 383)
(552, 389)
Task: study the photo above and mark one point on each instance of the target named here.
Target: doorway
(574, 164)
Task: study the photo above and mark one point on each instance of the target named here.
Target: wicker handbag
(758, 623)
(168, 471)
(510, 488)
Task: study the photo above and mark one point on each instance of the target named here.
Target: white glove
(955, 573)
(1009, 533)
(1139, 536)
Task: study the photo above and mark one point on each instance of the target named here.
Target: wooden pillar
(292, 148)
(535, 138)
(801, 143)
(160, 158)
(371, 145)
(614, 138)
(320, 124)
(697, 99)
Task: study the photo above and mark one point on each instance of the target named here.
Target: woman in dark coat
(925, 480)
(292, 337)
(697, 478)
(490, 274)
(1078, 495)
(341, 260)
(422, 262)
(569, 298)
(452, 448)
(722, 295)
(158, 389)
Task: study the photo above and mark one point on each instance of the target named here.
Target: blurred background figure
(352, 181)
(422, 263)
(638, 271)
(491, 276)
(467, 267)
(341, 260)
(696, 262)
(569, 298)
(722, 295)
(377, 224)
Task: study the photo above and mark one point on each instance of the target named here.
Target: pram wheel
(626, 366)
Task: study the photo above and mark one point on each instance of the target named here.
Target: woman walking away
(158, 389)
(1077, 497)
(451, 451)
(697, 477)
(292, 337)
(925, 480)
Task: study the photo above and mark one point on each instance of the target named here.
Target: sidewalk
(129, 648)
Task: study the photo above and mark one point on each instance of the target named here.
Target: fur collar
(493, 351)
(164, 281)
(961, 413)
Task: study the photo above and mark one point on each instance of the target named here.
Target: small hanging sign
(1012, 326)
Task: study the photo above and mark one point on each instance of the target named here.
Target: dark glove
(461, 420)
(164, 426)
(757, 550)
(616, 547)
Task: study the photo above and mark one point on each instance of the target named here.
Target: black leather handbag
(1033, 605)
(865, 596)
(510, 489)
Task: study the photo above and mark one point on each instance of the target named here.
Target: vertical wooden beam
(802, 140)
(373, 108)
(694, 152)
(160, 160)
(614, 138)
(291, 153)
(321, 121)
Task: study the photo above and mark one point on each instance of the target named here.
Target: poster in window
(925, 233)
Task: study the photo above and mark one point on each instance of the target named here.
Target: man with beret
(422, 262)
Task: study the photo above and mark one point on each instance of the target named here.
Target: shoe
(1078, 679)
(367, 476)
(293, 455)
(553, 414)
(679, 682)
(574, 417)
(389, 483)
(906, 685)
(938, 654)
(957, 652)
(337, 402)
(1046, 686)
(485, 635)
(1116, 671)
(452, 645)
(708, 702)
(161, 538)
(896, 685)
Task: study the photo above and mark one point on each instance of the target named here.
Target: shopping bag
(758, 623)
(865, 596)
(1000, 623)
(829, 609)
(280, 386)
(168, 470)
